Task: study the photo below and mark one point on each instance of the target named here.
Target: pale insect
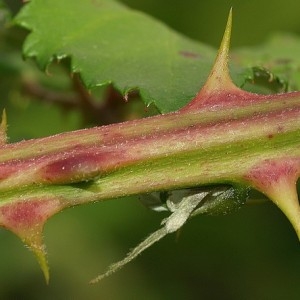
(183, 204)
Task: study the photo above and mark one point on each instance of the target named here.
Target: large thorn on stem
(219, 78)
(278, 181)
(219, 82)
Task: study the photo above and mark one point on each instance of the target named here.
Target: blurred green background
(252, 254)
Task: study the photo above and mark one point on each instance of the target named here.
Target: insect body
(215, 200)
(183, 204)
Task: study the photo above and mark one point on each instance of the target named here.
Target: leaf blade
(110, 43)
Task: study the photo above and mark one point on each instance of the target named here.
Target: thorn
(219, 81)
(3, 128)
(219, 77)
(36, 245)
(284, 195)
(278, 181)
(26, 219)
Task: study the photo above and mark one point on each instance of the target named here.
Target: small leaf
(279, 55)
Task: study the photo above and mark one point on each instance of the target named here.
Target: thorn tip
(219, 77)
(3, 128)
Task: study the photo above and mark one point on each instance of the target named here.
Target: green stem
(159, 153)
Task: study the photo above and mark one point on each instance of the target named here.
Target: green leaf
(110, 43)
(277, 60)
